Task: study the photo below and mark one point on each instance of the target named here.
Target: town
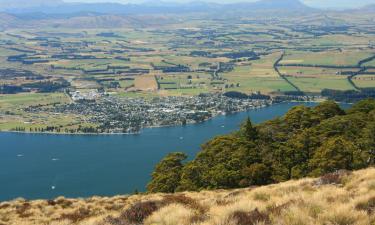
(114, 114)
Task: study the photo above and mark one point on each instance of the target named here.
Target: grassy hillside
(341, 198)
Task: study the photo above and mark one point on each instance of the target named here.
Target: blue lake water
(45, 166)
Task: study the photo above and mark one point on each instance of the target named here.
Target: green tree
(248, 131)
(219, 164)
(291, 159)
(364, 106)
(220, 177)
(367, 141)
(335, 154)
(303, 145)
(191, 177)
(256, 174)
(167, 174)
(327, 109)
(298, 117)
(349, 126)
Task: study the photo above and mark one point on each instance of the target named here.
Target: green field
(188, 55)
(365, 81)
(311, 71)
(136, 52)
(318, 84)
(329, 58)
(28, 99)
(262, 84)
(13, 106)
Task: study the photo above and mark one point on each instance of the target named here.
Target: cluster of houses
(85, 95)
(114, 114)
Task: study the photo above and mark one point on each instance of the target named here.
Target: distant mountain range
(23, 4)
(59, 7)
(56, 13)
(368, 8)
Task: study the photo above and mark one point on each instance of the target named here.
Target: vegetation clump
(368, 205)
(333, 178)
(250, 218)
(78, 215)
(137, 213)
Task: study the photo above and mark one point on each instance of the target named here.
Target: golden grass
(146, 83)
(344, 200)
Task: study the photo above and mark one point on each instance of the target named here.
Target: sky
(313, 3)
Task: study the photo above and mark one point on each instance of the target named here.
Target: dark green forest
(304, 142)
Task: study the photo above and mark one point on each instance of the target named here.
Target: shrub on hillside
(368, 205)
(76, 216)
(250, 218)
(333, 178)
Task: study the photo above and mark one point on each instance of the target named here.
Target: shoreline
(140, 132)
(161, 126)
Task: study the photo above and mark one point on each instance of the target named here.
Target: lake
(45, 166)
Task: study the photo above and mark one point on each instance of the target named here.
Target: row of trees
(53, 129)
(40, 86)
(349, 95)
(304, 142)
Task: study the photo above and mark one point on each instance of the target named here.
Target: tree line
(348, 95)
(304, 142)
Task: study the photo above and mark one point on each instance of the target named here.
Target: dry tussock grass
(335, 199)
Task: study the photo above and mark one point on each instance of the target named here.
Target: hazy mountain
(275, 4)
(81, 20)
(366, 9)
(17, 4)
(370, 8)
(109, 21)
(108, 8)
(105, 15)
(56, 7)
(7, 20)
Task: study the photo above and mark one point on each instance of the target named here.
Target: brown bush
(198, 218)
(188, 202)
(333, 178)
(64, 203)
(4, 205)
(277, 209)
(115, 221)
(250, 218)
(140, 211)
(78, 215)
(51, 202)
(368, 206)
(136, 214)
(223, 202)
(114, 207)
(22, 209)
(233, 194)
(183, 200)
